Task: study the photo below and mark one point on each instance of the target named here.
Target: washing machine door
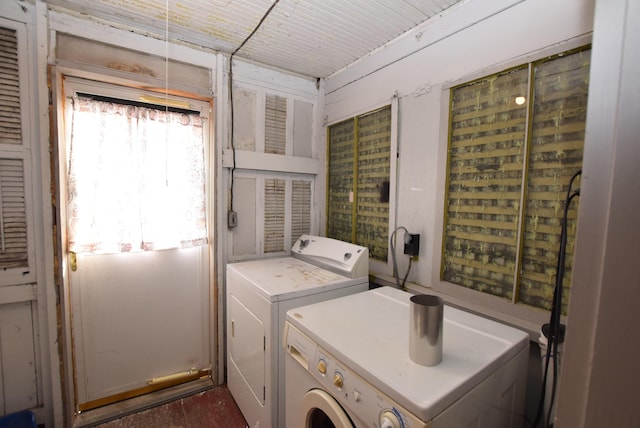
(321, 410)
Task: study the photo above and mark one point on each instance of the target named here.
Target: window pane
(136, 178)
(487, 133)
(374, 169)
(559, 116)
(341, 153)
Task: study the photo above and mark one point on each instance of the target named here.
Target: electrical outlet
(412, 244)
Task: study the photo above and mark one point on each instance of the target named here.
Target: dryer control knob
(322, 367)
(388, 419)
(338, 380)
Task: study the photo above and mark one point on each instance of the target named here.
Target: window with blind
(359, 174)
(515, 140)
(14, 244)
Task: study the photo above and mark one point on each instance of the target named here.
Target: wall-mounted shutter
(274, 215)
(13, 216)
(13, 224)
(300, 208)
(10, 124)
(275, 126)
(21, 373)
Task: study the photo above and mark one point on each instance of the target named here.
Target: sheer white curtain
(136, 178)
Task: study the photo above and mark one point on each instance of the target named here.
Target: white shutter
(14, 250)
(13, 224)
(10, 127)
(300, 208)
(274, 215)
(275, 124)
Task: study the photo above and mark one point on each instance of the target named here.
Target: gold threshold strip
(152, 386)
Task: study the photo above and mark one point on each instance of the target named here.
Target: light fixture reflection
(520, 100)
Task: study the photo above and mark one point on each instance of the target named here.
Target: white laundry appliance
(348, 365)
(259, 293)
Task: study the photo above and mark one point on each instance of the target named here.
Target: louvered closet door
(19, 387)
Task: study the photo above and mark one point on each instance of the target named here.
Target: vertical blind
(510, 162)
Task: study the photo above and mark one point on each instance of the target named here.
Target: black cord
(396, 274)
(556, 333)
(231, 113)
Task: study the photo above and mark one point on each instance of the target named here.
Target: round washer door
(320, 410)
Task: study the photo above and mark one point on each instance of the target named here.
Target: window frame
(375, 266)
(517, 314)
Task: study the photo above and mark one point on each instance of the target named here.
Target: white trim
(270, 162)
(100, 32)
(273, 80)
(529, 57)
(221, 244)
(74, 85)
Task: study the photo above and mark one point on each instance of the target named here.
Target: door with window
(134, 183)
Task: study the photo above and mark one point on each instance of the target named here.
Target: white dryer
(259, 293)
(348, 365)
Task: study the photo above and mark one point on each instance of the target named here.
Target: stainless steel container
(425, 332)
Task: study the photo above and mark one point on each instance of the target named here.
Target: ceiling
(310, 37)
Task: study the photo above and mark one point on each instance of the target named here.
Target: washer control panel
(352, 392)
(358, 396)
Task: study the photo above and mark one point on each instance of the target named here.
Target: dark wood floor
(214, 408)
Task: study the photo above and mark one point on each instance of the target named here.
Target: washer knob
(322, 367)
(388, 419)
(338, 380)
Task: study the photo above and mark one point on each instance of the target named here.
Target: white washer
(259, 293)
(348, 363)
